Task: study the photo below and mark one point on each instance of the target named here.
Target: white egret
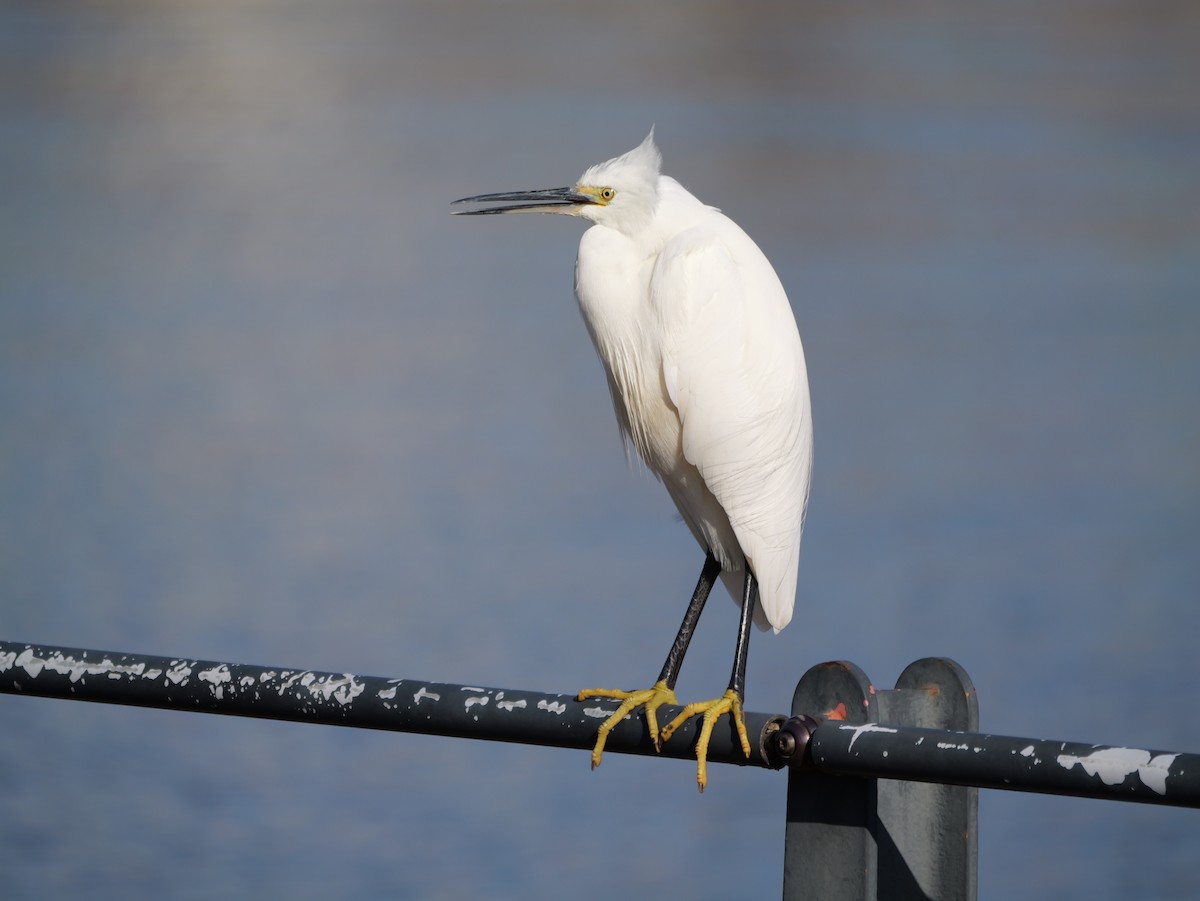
(708, 382)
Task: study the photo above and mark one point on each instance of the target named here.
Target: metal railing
(882, 788)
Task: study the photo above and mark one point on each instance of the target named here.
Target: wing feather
(733, 366)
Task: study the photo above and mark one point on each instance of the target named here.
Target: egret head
(620, 192)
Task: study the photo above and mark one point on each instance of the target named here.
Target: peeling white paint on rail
(1029, 751)
(865, 727)
(289, 679)
(553, 706)
(511, 705)
(218, 676)
(481, 700)
(1114, 765)
(73, 668)
(343, 689)
(599, 713)
(423, 693)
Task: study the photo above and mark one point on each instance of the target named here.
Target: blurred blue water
(262, 399)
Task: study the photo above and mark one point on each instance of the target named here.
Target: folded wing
(734, 368)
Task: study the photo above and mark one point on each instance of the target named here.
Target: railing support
(854, 837)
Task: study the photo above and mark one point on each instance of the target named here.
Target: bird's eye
(607, 193)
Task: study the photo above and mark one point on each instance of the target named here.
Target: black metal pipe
(343, 699)
(870, 750)
(883, 750)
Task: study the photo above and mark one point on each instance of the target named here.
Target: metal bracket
(851, 838)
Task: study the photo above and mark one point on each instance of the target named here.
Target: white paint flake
(422, 693)
(289, 679)
(951, 746)
(510, 705)
(1114, 765)
(1028, 751)
(481, 700)
(865, 727)
(218, 676)
(31, 663)
(71, 667)
(553, 706)
(599, 713)
(343, 689)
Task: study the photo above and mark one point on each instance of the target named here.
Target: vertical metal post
(854, 839)
(829, 851)
(927, 834)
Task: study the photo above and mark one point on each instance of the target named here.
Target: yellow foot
(650, 698)
(728, 703)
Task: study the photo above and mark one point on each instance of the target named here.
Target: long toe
(650, 698)
(729, 703)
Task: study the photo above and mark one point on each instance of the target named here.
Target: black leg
(737, 682)
(731, 702)
(708, 577)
